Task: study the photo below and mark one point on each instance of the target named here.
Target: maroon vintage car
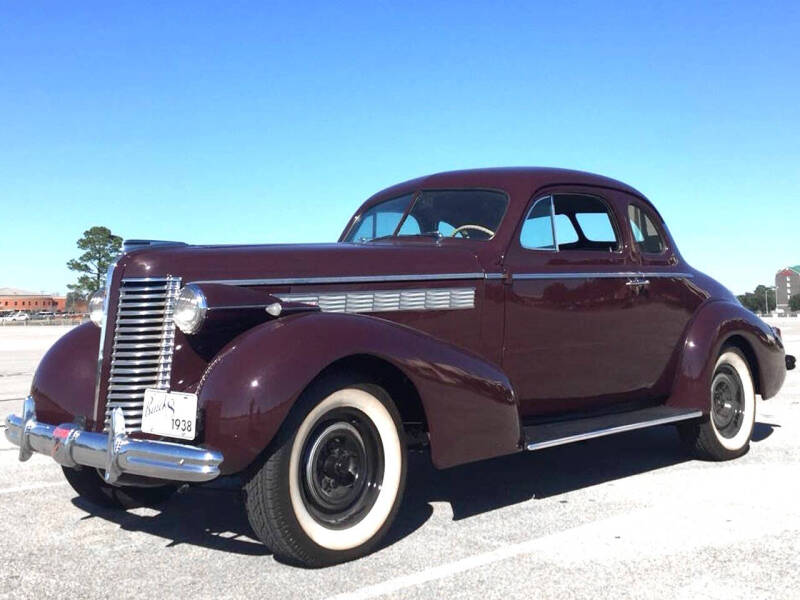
(481, 312)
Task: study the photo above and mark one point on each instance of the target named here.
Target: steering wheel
(461, 229)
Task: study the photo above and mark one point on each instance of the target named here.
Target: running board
(547, 435)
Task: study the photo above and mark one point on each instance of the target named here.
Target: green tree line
(763, 297)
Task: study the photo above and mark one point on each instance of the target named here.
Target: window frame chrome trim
(553, 221)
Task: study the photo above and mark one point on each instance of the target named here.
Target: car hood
(298, 261)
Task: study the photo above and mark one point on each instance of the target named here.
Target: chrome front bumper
(114, 452)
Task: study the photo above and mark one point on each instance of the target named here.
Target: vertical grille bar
(144, 339)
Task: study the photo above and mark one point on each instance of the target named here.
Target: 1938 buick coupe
(481, 312)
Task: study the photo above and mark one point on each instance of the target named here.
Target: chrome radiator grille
(144, 337)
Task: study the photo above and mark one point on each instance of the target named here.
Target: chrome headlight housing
(190, 309)
(97, 306)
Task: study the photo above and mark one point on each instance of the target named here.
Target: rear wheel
(332, 483)
(91, 487)
(726, 434)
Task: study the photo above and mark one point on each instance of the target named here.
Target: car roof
(531, 178)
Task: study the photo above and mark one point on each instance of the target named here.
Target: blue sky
(270, 122)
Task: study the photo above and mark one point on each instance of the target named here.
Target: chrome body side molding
(604, 275)
(602, 426)
(345, 279)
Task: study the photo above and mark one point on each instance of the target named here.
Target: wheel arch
(716, 324)
(468, 404)
(737, 340)
(389, 376)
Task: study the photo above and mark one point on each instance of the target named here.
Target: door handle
(637, 282)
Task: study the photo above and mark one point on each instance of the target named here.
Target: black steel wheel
(333, 478)
(726, 433)
(727, 401)
(342, 468)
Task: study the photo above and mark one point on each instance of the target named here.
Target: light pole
(766, 298)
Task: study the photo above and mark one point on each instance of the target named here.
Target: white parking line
(440, 572)
(676, 529)
(31, 486)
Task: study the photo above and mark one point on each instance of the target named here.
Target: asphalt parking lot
(629, 516)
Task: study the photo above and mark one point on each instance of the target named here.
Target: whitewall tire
(727, 431)
(334, 477)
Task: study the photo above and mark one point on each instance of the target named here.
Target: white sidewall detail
(366, 528)
(741, 438)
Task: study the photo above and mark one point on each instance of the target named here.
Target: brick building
(787, 284)
(14, 299)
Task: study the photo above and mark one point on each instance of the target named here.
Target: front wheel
(726, 434)
(334, 478)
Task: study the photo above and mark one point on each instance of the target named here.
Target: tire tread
(265, 491)
(699, 437)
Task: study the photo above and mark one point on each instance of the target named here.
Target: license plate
(171, 414)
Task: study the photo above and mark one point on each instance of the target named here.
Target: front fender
(715, 324)
(64, 383)
(251, 385)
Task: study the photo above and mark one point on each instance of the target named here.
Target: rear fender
(716, 324)
(251, 385)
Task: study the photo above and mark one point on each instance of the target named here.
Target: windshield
(460, 214)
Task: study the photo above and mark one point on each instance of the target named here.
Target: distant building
(14, 299)
(787, 284)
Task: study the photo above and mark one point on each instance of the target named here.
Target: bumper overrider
(113, 452)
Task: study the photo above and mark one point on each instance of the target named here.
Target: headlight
(97, 303)
(190, 309)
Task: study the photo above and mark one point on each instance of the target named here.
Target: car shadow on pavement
(762, 431)
(492, 484)
(213, 516)
(203, 516)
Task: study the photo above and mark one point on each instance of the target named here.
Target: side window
(592, 223)
(537, 230)
(380, 220)
(596, 227)
(567, 222)
(409, 227)
(446, 229)
(565, 231)
(645, 234)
